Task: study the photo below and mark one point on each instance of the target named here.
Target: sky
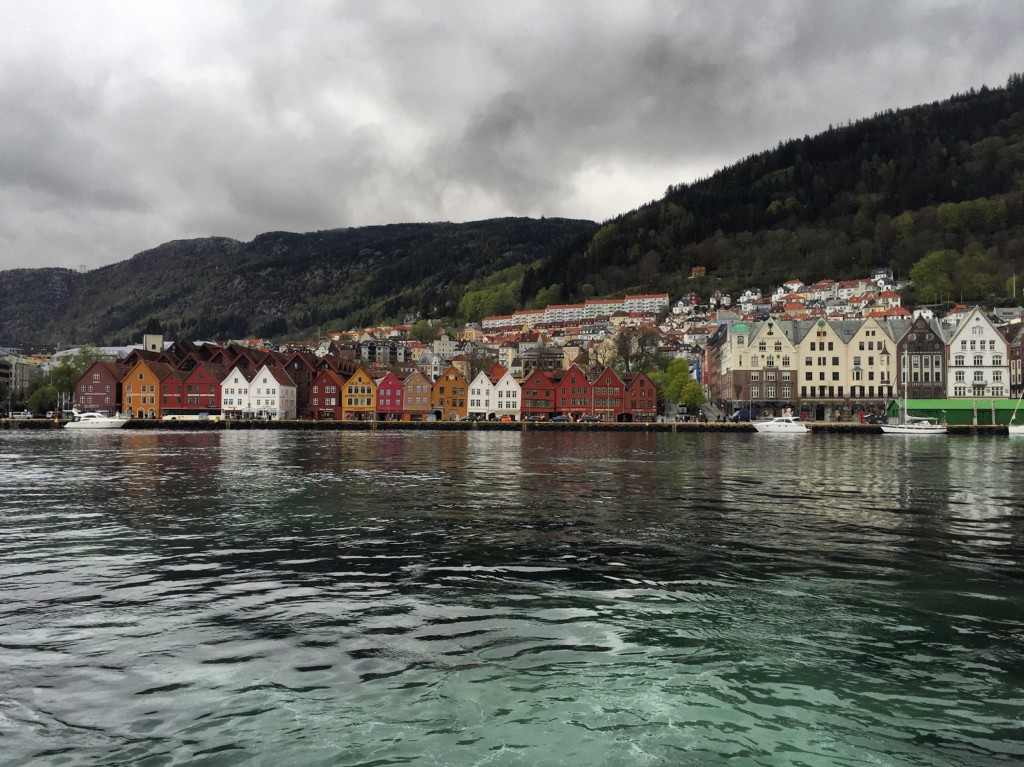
(127, 124)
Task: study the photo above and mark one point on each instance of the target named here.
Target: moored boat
(1015, 429)
(95, 421)
(914, 425)
(783, 424)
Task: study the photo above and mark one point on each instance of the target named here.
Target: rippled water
(470, 598)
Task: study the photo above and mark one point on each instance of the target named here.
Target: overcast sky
(127, 124)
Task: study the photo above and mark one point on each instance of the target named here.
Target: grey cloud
(236, 118)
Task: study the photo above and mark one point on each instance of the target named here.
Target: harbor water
(510, 598)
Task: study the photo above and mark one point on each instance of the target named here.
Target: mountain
(946, 178)
(282, 284)
(936, 192)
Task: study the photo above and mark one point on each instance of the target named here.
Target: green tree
(903, 227)
(43, 399)
(476, 304)
(424, 331)
(547, 296)
(676, 384)
(692, 395)
(932, 275)
(672, 379)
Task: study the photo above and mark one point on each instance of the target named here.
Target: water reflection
(529, 597)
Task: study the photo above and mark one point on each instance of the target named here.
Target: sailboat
(910, 424)
(1016, 429)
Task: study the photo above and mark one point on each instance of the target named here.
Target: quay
(816, 427)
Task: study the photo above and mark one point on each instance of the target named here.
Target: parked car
(589, 419)
(507, 418)
(562, 418)
(875, 418)
(741, 416)
(21, 414)
(473, 417)
(534, 417)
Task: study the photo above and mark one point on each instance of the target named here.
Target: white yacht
(95, 421)
(783, 424)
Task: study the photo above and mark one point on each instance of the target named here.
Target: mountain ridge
(934, 191)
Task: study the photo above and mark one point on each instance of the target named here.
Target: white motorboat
(783, 424)
(95, 421)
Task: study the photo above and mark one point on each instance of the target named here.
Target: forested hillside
(945, 179)
(281, 284)
(934, 191)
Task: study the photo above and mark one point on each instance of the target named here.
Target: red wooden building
(608, 394)
(574, 395)
(325, 395)
(99, 388)
(390, 398)
(538, 397)
(641, 400)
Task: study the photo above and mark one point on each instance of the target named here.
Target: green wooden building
(961, 412)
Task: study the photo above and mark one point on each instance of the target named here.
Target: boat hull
(781, 426)
(908, 428)
(96, 423)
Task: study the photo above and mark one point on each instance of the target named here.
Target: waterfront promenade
(816, 427)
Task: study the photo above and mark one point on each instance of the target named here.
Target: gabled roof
(333, 376)
(247, 373)
(217, 372)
